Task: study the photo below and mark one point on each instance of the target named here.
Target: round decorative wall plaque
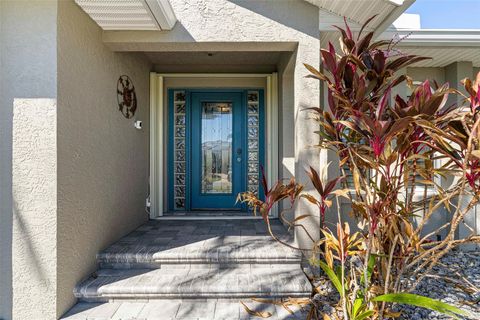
(126, 97)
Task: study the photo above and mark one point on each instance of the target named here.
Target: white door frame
(157, 156)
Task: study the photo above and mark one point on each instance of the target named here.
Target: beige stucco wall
(102, 159)
(28, 159)
(421, 74)
(5, 185)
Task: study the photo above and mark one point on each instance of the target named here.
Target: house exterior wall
(27, 159)
(103, 161)
(421, 74)
(74, 171)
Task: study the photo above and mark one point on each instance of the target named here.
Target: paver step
(272, 281)
(185, 242)
(181, 309)
(227, 249)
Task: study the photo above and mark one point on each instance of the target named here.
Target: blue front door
(216, 148)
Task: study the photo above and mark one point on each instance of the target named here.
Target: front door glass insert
(216, 144)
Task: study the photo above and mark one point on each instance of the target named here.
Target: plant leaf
(365, 315)
(261, 314)
(332, 276)
(424, 302)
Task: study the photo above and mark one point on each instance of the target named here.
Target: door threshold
(219, 217)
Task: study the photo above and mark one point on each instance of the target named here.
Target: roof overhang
(443, 46)
(357, 13)
(130, 14)
(435, 37)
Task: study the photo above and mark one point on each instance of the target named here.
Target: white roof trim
(163, 13)
(396, 2)
(435, 37)
(130, 14)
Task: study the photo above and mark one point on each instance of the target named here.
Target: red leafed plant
(395, 156)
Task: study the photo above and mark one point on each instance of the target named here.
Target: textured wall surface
(27, 224)
(421, 74)
(102, 159)
(34, 208)
(5, 185)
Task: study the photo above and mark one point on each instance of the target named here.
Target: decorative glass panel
(180, 132)
(179, 163)
(180, 120)
(179, 203)
(180, 179)
(179, 192)
(180, 108)
(180, 155)
(252, 167)
(252, 144)
(216, 144)
(180, 144)
(253, 96)
(253, 132)
(253, 108)
(180, 167)
(179, 96)
(253, 179)
(253, 141)
(252, 121)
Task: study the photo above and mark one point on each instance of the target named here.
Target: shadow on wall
(297, 15)
(30, 251)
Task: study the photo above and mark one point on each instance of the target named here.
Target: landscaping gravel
(448, 286)
(445, 284)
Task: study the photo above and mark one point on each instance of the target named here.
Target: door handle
(239, 154)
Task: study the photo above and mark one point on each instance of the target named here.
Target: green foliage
(388, 145)
(421, 301)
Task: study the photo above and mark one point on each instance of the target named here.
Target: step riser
(274, 281)
(135, 264)
(144, 298)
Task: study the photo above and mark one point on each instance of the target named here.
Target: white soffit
(357, 12)
(443, 46)
(443, 56)
(130, 14)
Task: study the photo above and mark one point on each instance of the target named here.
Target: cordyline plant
(396, 151)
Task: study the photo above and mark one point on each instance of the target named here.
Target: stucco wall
(28, 91)
(475, 72)
(102, 159)
(421, 74)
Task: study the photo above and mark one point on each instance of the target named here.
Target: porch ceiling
(216, 61)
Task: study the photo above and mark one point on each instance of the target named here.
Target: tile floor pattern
(178, 269)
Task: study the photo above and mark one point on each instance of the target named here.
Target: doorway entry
(216, 148)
